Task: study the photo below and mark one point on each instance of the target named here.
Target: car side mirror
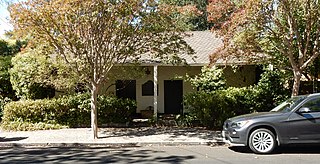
(304, 110)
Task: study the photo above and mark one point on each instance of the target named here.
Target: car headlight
(239, 124)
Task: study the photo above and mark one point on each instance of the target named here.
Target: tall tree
(287, 31)
(192, 14)
(36, 75)
(4, 48)
(94, 35)
(8, 48)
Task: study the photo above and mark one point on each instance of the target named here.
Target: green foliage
(186, 120)
(3, 102)
(17, 46)
(212, 108)
(35, 75)
(19, 125)
(209, 79)
(24, 76)
(271, 89)
(5, 87)
(285, 32)
(10, 47)
(4, 48)
(196, 21)
(115, 110)
(67, 111)
(86, 45)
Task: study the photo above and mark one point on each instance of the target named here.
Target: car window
(313, 105)
(289, 105)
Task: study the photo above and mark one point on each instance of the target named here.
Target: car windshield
(288, 105)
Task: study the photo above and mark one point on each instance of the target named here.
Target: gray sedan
(296, 120)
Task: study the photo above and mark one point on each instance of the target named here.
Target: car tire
(262, 141)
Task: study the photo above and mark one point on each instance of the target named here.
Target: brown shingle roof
(204, 43)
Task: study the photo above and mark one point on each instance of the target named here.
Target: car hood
(255, 115)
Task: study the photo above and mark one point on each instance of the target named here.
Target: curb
(112, 145)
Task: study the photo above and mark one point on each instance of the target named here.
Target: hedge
(68, 111)
(213, 108)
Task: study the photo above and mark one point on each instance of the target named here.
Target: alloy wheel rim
(262, 141)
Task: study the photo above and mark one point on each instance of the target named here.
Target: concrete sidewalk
(112, 137)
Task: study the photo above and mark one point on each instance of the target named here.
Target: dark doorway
(173, 92)
(126, 89)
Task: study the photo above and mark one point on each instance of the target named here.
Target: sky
(4, 18)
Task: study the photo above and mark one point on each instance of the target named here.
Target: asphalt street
(157, 154)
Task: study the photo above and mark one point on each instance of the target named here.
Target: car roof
(314, 95)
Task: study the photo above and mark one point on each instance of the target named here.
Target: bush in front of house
(212, 108)
(67, 111)
(3, 102)
(271, 90)
(210, 78)
(115, 110)
(24, 76)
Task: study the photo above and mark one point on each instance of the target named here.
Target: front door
(173, 92)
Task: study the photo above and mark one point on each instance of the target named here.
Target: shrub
(77, 110)
(71, 111)
(24, 76)
(186, 120)
(213, 108)
(210, 79)
(115, 110)
(20, 125)
(271, 90)
(3, 102)
(36, 75)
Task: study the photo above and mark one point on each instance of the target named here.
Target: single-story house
(167, 97)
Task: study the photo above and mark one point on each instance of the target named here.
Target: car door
(305, 125)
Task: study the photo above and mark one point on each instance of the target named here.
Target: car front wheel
(262, 141)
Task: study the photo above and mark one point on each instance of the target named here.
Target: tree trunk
(94, 120)
(296, 82)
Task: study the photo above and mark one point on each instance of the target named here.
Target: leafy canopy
(93, 35)
(285, 32)
(189, 14)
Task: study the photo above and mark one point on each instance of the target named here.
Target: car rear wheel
(262, 141)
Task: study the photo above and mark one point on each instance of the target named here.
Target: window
(147, 88)
(126, 89)
(313, 105)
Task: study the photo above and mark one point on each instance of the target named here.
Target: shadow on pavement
(87, 155)
(291, 149)
(3, 139)
(173, 131)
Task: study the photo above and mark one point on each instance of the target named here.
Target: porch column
(155, 91)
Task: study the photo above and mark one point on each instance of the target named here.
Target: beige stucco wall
(242, 76)
(164, 73)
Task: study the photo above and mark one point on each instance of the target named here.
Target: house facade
(161, 89)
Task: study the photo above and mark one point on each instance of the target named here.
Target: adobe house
(167, 97)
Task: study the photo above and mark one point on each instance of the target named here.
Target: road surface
(157, 154)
